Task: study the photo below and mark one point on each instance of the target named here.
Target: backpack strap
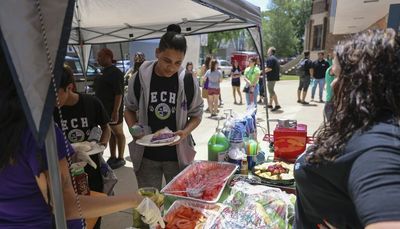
(187, 81)
(137, 86)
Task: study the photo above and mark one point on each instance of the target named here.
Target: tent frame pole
(261, 54)
(55, 178)
(264, 78)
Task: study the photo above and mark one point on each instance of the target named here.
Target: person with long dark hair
(236, 74)
(349, 178)
(214, 78)
(25, 200)
(157, 98)
(252, 75)
(138, 60)
(204, 92)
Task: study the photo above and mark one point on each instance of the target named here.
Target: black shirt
(273, 63)
(320, 67)
(362, 186)
(109, 85)
(78, 120)
(308, 64)
(162, 113)
(236, 71)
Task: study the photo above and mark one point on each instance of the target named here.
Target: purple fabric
(205, 86)
(21, 202)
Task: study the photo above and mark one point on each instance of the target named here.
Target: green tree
(283, 25)
(216, 39)
(300, 14)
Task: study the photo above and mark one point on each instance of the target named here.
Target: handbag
(108, 176)
(246, 89)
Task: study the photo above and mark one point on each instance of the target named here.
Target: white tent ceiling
(357, 15)
(127, 20)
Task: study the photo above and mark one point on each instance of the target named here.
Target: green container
(218, 146)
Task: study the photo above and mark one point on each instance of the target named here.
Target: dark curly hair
(367, 90)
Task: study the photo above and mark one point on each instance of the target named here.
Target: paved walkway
(287, 94)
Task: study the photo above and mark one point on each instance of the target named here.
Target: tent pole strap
(55, 178)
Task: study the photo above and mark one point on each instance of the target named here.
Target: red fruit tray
(202, 181)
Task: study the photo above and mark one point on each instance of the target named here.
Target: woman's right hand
(150, 212)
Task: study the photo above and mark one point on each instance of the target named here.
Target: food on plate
(163, 135)
(184, 217)
(275, 171)
(203, 181)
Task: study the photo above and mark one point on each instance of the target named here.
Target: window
(317, 37)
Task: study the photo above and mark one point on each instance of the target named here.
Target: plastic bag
(109, 177)
(259, 206)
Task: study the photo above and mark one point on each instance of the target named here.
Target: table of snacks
(230, 203)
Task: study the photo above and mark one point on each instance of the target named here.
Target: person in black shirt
(81, 115)
(157, 99)
(320, 67)
(272, 71)
(236, 73)
(109, 88)
(305, 72)
(350, 177)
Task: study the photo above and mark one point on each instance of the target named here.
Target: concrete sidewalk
(311, 115)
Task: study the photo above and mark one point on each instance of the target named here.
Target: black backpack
(300, 68)
(187, 80)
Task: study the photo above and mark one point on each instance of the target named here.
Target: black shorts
(120, 115)
(235, 82)
(304, 83)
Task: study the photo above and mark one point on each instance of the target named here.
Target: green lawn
(289, 77)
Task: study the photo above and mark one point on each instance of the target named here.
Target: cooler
(289, 139)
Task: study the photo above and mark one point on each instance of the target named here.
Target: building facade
(334, 20)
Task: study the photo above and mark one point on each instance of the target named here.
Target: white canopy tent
(34, 36)
(99, 22)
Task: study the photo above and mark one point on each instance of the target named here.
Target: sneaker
(321, 101)
(213, 115)
(270, 106)
(276, 108)
(304, 102)
(111, 161)
(299, 101)
(119, 162)
(312, 99)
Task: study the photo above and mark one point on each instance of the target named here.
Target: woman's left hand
(182, 134)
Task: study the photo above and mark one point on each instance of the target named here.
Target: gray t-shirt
(214, 78)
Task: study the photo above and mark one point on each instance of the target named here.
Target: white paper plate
(96, 149)
(146, 141)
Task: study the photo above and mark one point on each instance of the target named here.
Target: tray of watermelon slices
(202, 181)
